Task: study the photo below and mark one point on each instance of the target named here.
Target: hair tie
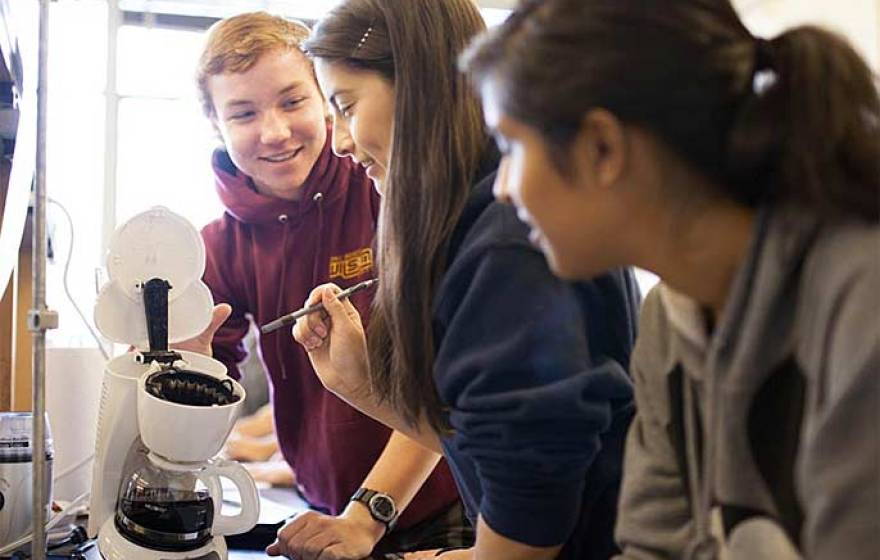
(764, 54)
(764, 75)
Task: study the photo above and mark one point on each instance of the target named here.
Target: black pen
(291, 318)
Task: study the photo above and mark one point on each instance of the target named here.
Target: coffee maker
(164, 414)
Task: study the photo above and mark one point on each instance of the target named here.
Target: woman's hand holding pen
(336, 343)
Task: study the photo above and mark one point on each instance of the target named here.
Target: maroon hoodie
(264, 256)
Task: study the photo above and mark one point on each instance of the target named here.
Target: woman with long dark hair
(746, 173)
(473, 347)
(297, 215)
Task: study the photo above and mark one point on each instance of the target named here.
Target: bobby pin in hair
(363, 39)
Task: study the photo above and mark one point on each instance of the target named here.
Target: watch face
(383, 507)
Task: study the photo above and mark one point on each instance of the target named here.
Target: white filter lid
(154, 244)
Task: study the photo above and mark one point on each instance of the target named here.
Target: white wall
(504, 4)
(858, 20)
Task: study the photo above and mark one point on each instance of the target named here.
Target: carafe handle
(247, 490)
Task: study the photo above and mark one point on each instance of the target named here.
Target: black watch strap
(381, 506)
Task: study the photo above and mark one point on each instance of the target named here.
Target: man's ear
(601, 145)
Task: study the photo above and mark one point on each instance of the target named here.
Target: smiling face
(578, 216)
(363, 115)
(271, 118)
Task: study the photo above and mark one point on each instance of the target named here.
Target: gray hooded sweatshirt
(762, 439)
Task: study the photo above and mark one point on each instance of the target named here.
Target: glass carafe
(165, 509)
(171, 506)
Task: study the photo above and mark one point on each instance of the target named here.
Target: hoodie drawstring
(284, 221)
(707, 546)
(319, 200)
(704, 546)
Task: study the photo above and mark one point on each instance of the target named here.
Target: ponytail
(808, 132)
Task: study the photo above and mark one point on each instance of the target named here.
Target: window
(164, 141)
(75, 159)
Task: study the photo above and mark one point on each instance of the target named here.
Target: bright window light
(494, 16)
(75, 160)
(165, 142)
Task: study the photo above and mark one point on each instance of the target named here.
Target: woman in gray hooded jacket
(746, 173)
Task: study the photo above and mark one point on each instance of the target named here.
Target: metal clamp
(42, 320)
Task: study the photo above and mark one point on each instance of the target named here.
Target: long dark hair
(795, 119)
(436, 149)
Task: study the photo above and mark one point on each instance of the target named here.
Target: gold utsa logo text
(351, 265)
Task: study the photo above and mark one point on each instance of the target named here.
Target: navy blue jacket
(533, 372)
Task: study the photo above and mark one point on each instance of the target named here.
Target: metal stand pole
(40, 318)
(111, 125)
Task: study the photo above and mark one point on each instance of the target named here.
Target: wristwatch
(381, 506)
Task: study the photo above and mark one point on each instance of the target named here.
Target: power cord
(72, 468)
(75, 536)
(66, 284)
(49, 525)
(75, 467)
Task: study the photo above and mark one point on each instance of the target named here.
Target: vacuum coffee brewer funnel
(165, 414)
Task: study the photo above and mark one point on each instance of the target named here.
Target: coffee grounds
(190, 388)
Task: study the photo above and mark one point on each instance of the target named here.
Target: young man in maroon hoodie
(298, 216)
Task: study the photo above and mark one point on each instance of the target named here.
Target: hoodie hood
(329, 179)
